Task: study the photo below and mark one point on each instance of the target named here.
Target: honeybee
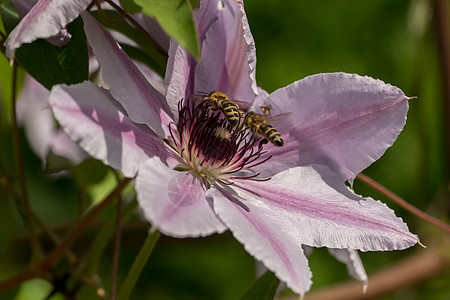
(230, 108)
(259, 124)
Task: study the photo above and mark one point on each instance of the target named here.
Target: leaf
(138, 265)
(10, 18)
(175, 17)
(49, 64)
(263, 288)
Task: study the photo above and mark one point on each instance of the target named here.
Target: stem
(412, 209)
(84, 222)
(35, 245)
(117, 240)
(105, 17)
(407, 273)
(47, 263)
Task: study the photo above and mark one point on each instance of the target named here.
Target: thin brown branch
(84, 222)
(105, 17)
(25, 202)
(415, 269)
(400, 201)
(45, 266)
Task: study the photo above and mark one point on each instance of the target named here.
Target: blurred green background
(395, 41)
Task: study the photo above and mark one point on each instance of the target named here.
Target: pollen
(222, 133)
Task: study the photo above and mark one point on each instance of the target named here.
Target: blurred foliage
(394, 41)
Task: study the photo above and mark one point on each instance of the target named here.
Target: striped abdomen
(270, 133)
(231, 112)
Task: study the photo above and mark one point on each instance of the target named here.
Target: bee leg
(266, 109)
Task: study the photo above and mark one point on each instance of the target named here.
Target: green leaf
(264, 288)
(175, 17)
(10, 18)
(49, 64)
(138, 265)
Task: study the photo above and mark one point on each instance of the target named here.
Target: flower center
(211, 148)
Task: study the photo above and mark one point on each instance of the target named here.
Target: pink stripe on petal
(273, 243)
(241, 53)
(344, 121)
(326, 213)
(174, 202)
(127, 85)
(179, 79)
(94, 120)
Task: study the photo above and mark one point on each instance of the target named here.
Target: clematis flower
(197, 175)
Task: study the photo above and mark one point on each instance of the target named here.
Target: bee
(229, 108)
(259, 125)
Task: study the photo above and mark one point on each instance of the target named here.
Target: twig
(45, 266)
(35, 245)
(414, 269)
(105, 17)
(412, 209)
(84, 222)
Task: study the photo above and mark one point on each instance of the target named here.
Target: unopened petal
(344, 121)
(93, 119)
(174, 202)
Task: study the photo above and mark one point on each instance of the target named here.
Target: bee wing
(244, 106)
(278, 118)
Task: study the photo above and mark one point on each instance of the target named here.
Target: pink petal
(227, 57)
(341, 120)
(269, 239)
(210, 73)
(127, 85)
(205, 15)
(354, 265)
(180, 70)
(178, 82)
(23, 6)
(324, 212)
(63, 146)
(174, 202)
(33, 113)
(225, 64)
(241, 52)
(92, 118)
(45, 19)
